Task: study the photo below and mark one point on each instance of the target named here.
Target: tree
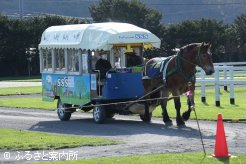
(13, 51)
(4, 30)
(240, 29)
(190, 31)
(235, 40)
(18, 36)
(134, 12)
(240, 33)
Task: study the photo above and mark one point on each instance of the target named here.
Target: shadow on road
(117, 127)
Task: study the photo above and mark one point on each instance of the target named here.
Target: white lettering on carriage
(62, 82)
(70, 81)
(141, 36)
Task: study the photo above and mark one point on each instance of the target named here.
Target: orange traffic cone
(220, 148)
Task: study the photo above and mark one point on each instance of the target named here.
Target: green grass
(184, 158)
(208, 110)
(35, 102)
(20, 90)
(25, 140)
(205, 111)
(22, 79)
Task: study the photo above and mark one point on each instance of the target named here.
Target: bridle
(198, 58)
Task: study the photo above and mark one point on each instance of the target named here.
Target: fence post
(203, 85)
(225, 76)
(232, 100)
(217, 87)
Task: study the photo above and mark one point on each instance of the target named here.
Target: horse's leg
(190, 102)
(165, 115)
(186, 114)
(177, 105)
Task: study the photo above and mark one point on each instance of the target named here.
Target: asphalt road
(139, 137)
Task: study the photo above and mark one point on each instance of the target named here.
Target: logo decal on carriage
(62, 82)
(126, 37)
(141, 36)
(66, 82)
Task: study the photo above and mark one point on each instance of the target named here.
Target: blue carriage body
(76, 89)
(123, 86)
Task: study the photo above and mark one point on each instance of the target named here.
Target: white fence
(226, 74)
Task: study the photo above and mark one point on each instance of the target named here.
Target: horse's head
(204, 58)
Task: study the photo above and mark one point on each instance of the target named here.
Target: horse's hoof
(186, 116)
(180, 123)
(168, 123)
(182, 126)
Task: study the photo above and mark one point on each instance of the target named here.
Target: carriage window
(85, 63)
(73, 61)
(116, 58)
(47, 60)
(60, 60)
(134, 58)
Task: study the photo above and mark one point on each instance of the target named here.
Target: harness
(163, 68)
(178, 67)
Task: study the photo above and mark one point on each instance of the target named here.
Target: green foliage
(225, 38)
(240, 24)
(134, 12)
(17, 36)
(25, 140)
(204, 30)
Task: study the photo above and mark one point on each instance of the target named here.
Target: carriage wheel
(144, 118)
(110, 114)
(61, 111)
(99, 114)
(109, 110)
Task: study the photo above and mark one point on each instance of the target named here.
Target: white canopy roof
(96, 36)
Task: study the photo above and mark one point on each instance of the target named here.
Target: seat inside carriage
(117, 65)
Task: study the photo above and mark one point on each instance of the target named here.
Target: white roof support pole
(112, 59)
(66, 59)
(41, 63)
(122, 58)
(80, 61)
(53, 60)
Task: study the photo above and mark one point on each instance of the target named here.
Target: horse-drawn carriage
(101, 67)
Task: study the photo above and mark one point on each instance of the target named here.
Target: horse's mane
(189, 47)
(192, 45)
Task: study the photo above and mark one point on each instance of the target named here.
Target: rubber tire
(109, 115)
(62, 114)
(99, 114)
(145, 119)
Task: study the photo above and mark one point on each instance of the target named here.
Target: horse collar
(177, 68)
(180, 69)
(199, 56)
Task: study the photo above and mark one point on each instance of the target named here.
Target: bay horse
(177, 74)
